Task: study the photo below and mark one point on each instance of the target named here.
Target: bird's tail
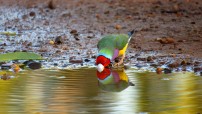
(130, 34)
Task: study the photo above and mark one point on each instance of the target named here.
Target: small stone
(149, 58)
(27, 62)
(141, 59)
(106, 12)
(73, 32)
(32, 14)
(118, 27)
(42, 50)
(75, 61)
(197, 63)
(77, 38)
(58, 51)
(6, 66)
(183, 62)
(90, 37)
(173, 65)
(154, 65)
(29, 44)
(167, 71)
(196, 69)
(34, 65)
(51, 5)
(59, 40)
(129, 17)
(166, 40)
(181, 41)
(193, 22)
(65, 65)
(97, 16)
(55, 64)
(159, 70)
(51, 42)
(93, 56)
(87, 60)
(24, 17)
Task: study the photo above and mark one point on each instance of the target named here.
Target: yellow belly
(122, 75)
(121, 52)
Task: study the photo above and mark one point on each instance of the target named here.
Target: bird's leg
(122, 58)
(120, 62)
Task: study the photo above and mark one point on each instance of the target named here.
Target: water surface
(80, 91)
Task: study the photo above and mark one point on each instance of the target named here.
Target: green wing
(116, 41)
(121, 40)
(106, 42)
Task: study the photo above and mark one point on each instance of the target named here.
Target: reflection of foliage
(19, 56)
(6, 76)
(117, 87)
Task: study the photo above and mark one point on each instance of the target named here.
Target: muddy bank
(66, 32)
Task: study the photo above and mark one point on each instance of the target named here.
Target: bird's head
(104, 74)
(102, 62)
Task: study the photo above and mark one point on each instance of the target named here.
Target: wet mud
(168, 34)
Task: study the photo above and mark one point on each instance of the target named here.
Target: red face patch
(102, 60)
(105, 73)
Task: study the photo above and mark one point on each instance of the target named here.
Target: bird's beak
(100, 67)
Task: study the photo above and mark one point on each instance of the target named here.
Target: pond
(86, 91)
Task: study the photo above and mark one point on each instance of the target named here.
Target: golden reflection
(113, 80)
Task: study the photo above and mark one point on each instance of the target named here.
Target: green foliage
(8, 33)
(19, 56)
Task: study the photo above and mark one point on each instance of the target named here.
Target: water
(80, 91)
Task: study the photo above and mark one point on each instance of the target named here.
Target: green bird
(110, 47)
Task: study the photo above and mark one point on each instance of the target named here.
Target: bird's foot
(117, 65)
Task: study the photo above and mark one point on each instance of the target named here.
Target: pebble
(167, 71)
(118, 27)
(141, 59)
(184, 63)
(6, 66)
(87, 60)
(51, 42)
(174, 65)
(149, 58)
(166, 40)
(75, 61)
(59, 40)
(74, 31)
(196, 69)
(159, 70)
(51, 5)
(34, 65)
(32, 14)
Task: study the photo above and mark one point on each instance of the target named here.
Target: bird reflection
(113, 80)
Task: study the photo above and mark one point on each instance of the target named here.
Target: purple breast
(116, 53)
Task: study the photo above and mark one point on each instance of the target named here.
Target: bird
(110, 47)
(113, 80)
